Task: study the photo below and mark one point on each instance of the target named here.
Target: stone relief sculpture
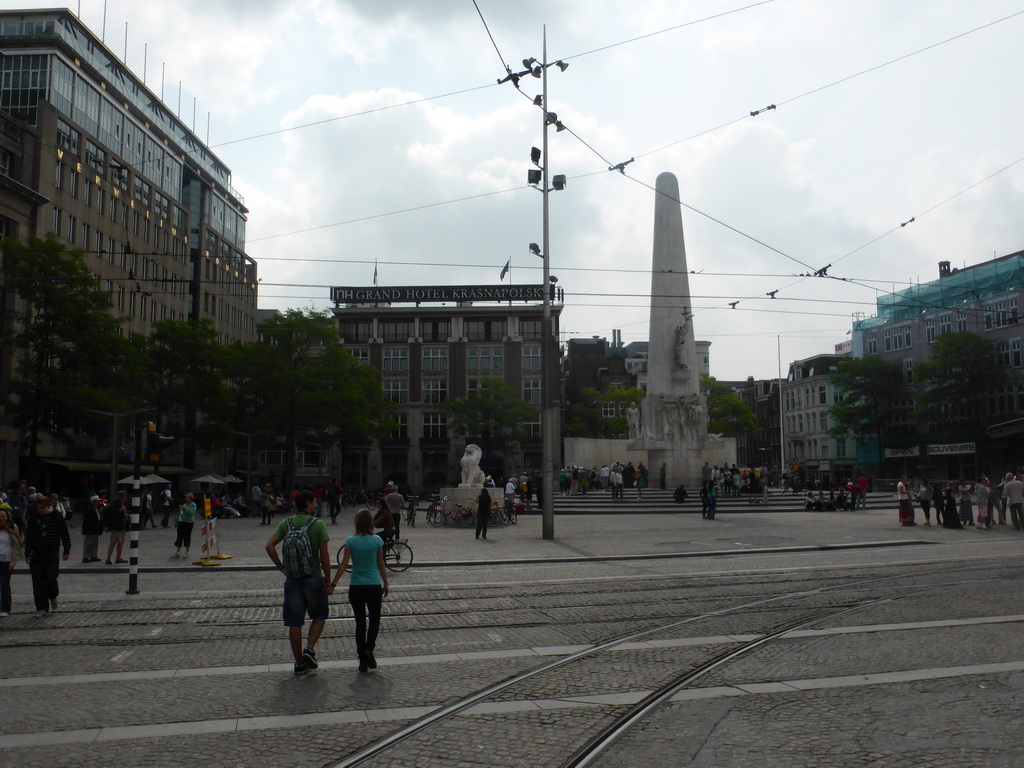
(633, 420)
(472, 475)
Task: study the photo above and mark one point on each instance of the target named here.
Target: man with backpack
(306, 563)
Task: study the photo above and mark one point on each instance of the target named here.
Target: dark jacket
(46, 532)
(115, 517)
(92, 522)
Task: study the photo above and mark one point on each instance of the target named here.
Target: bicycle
(410, 510)
(500, 515)
(397, 554)
(441, 512)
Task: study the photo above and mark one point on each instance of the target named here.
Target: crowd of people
(964, 504)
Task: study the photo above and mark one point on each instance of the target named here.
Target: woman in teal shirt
(368, 585)
(186, 521)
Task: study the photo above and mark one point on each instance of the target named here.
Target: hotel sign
(420, 293)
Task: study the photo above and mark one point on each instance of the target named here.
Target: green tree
(303, 384)
(871, 389)
(957, 379)
(727, 413)
(490, 412)
(185, 373)
(586, 419)
(69, 356)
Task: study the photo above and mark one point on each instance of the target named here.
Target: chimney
(943, 269)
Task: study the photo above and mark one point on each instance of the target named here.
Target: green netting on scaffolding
(964, 286)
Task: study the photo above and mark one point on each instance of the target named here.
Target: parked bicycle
(439, 513)
(501, 515)
(410, 510)
(397, 554)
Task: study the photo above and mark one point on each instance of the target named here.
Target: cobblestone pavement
(195, 668)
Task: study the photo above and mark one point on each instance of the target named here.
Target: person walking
(307, 570)
(92, 527)
(981, 489)
(45, 533)
(925, 493)
(186, 522)
(10, 554)
(483, 512)
(166, 501)
(1013, 494)
(368, 585)
(964, 491)
(906, 507)
(116, 520)
(641, 480)
(950, 519)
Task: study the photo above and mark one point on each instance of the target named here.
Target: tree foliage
(303, 385)
(727, 413)
(70, 357)
(586, 419)
(957, 378)
(185, 375)
(490, 412)
(871, 389)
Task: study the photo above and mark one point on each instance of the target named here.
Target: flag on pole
(508, 266)
(374, 271)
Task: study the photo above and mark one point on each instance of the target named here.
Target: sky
(373, 132)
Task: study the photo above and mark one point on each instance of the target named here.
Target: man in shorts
(309, 593)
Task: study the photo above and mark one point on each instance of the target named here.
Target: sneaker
(301, 668)
(53, 605)
(309, 658)
(40, 614)
(3, 614)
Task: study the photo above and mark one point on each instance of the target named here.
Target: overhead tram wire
(862, 72)
(595, 173)
(488, 30)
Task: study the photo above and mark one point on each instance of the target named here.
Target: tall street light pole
(549, 417)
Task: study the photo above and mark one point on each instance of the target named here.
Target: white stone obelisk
(672, 424)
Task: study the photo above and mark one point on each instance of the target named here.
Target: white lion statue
(472, 475)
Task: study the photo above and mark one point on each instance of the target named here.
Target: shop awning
(104, 466)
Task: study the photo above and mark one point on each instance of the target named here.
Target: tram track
(380, 753)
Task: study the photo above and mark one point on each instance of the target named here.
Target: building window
(435, 391)
(822, 397)
(435, 358)
(531, 329)
(361, 355)
(273, 456)
(840, 449)
(531, 391)
(396, 359)
(401, 430)
(1001, 314)
(1015, 353)
(67, 137)
(945, 324)
(435, 330)
(531, 357)
(532, 430)
(871, 343)
(396, 390)
(393, 330)
(307, 455)
(1003, 354)
(486, 330)
(484, 359)
(929, 330)
(609, 410)
(58, 176)
(908, 370)
(961, 321)
(435, 426)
